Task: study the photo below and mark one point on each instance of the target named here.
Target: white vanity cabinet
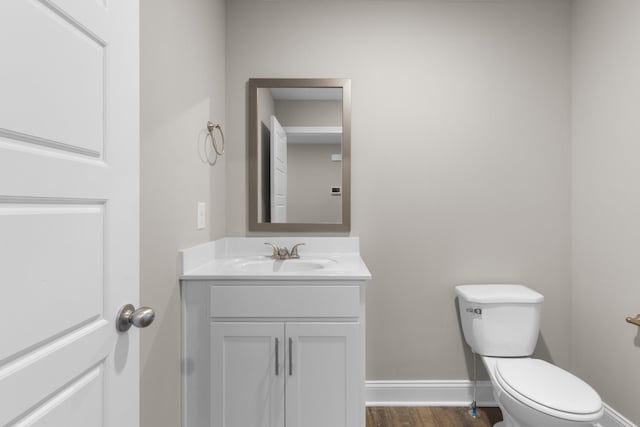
(273, 354)
(311, 379)
(273, 342)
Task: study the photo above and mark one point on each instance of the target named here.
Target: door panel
(57, 253)
(245, 388)
(57, 72)
(26, 382)
(78, 405)
(69, 173)
(323, 386)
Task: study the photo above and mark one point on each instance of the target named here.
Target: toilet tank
(500, 320)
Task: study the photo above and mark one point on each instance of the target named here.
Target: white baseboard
(452, 393)
(427, 393)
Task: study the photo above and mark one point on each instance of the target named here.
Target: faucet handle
(294, 251)
(276, 250)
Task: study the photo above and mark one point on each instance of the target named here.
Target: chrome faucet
(283, 252)
(294, 251)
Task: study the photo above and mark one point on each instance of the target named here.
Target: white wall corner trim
(614, 419)
(428, 393)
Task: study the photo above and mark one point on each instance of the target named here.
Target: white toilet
(500, 323)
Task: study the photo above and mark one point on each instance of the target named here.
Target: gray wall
(606, 199)
(461, 166)
(182, 69)
(460, 145)
(311, 174)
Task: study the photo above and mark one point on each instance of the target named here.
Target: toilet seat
(548, 389)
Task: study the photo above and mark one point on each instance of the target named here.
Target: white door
(324, 383)
(247, 374)
(278, 172)
(68, 212)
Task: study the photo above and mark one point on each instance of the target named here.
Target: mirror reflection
(299, 149)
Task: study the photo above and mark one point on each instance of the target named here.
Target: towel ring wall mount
(219, 150)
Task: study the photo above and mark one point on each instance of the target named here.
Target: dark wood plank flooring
(378, 416)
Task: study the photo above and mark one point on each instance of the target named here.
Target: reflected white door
(278, 172)
(68, 212)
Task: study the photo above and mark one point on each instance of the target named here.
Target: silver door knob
(128, 315)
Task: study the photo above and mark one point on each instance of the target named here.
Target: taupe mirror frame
(253, 153)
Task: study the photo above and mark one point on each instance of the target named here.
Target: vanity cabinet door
(324, 375)
(247, 374)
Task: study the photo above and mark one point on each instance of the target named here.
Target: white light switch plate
(202, 216)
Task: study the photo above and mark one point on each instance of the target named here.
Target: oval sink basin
(282, 266)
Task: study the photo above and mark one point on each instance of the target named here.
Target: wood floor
(378, 416)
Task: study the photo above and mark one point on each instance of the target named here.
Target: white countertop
(248, 258)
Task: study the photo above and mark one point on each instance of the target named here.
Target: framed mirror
(299, 155)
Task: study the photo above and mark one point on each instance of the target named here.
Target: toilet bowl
(534, 393)
(501, 323)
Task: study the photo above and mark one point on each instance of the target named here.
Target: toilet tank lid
(497, 294)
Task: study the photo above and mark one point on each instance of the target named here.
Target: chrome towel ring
(211, 127)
